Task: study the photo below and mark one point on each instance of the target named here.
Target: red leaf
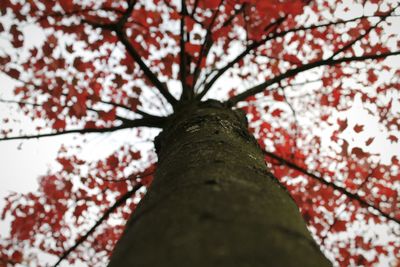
(358, 128)
(4, 60)
(90, 125)
(339, 226)
(292, 59)
(81, 65)
(79, 209)
(189, 22)
(112, 162)
(277, 96)
(108, 115)
(67, 5)
(78, 109)
(192, 49)
(361, 260)
(277, 112)
(135, 155)
(212, 4)
(17, 36)
(13, 73)
(381, 250)
(372, 76)
(359, 152)
(134, 103)
(383, 190)
(369, 141)
(59, 124)
(67, 164)
(393, 139)
(222, 32)
(342, 125)
(69, 48)
(16, 257)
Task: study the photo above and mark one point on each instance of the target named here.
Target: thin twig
(273, 35)
(117, 27)
(242, 55)
(361, 36)
(146, 122)
(292, 72)
(110, 210)
(332, 185)
(206, 45)
(183, 66)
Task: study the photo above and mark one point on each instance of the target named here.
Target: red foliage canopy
(318, 79)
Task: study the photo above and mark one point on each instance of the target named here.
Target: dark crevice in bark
(213, 201)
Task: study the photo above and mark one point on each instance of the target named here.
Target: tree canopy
(319, 81)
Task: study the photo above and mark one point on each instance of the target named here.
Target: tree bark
(213, 201)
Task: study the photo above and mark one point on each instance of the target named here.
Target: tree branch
(138, 111)
(327, 62)
(117, 105)
(130, 177)
(23, 103)
(186, 94)
(195, 5)
(121, 22)
(330, 184)
(248, 49)
(206, 45)
(122, 119)
(337, 216)
(234, 15)
(361, 36)
(117, 27)
(275, 35)
(78, 12)
(156, 122)
(149, 74)
(110, 210)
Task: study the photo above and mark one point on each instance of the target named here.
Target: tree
(297, 69)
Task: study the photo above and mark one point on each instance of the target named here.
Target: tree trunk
(213, 201)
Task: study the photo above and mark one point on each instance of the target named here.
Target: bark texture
(213, 201)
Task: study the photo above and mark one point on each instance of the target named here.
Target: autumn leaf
(79, 209)
(369, 141)
(17, 36)
(112, 161)
(342, 124)
(108, 115)
(393, 139)
(13, 73)
(339, 226)
(192, 49)
(16, 257)
(359, 153)
(277, 112)
(67, 5)
(358, 128)
(59, 124)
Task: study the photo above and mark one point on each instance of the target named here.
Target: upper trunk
(213, 201)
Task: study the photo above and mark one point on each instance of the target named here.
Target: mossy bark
(213, 201)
